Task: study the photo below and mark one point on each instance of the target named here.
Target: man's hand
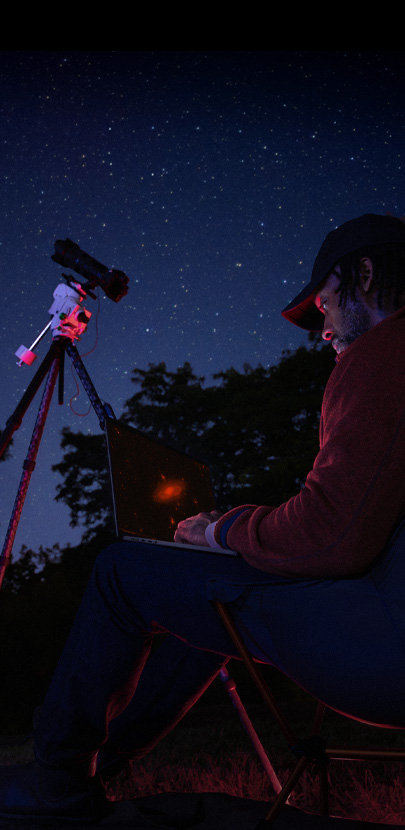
(192, 531)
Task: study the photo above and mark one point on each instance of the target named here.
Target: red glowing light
(169, 490)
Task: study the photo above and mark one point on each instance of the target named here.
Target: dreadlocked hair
(389, 272)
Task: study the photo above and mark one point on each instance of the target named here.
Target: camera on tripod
(69, 320)
(69, 317)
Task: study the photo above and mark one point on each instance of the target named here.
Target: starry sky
(210, 178)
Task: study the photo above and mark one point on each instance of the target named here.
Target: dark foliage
(257, 429)
(86, 487)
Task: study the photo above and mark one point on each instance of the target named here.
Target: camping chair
(307, 750)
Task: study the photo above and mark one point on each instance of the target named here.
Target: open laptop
(154, 487)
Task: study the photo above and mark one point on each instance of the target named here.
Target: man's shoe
(34, 791)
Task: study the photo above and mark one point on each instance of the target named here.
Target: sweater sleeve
(341, 519)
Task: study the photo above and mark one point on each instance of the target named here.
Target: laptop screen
(154, 486)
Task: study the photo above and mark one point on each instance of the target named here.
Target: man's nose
(327, 332)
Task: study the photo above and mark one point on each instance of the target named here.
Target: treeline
(257, 429)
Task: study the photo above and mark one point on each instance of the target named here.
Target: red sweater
(355, 493)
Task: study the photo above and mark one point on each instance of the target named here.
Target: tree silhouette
(257, 429)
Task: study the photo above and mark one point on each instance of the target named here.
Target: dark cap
(370, 229)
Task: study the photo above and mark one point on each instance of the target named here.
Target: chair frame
(312, 750)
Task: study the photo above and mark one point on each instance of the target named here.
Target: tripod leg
(61, 375)
(28, 466)
(54, 363)
(102, 411)
(14, 422)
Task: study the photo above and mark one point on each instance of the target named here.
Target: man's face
(343, 323)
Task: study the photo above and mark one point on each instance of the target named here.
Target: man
(335, 526)
(316, 589)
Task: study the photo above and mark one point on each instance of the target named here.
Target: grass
(212, 754)
(360, 794)
(209, 752)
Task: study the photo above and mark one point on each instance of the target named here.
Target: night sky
(210, 179)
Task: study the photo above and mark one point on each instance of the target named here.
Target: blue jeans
(339, 639)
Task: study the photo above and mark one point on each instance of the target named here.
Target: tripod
(53, 366)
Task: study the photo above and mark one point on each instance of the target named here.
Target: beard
(355, 321)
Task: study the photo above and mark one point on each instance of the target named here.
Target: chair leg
(257, 678)
(323, 789)
(230, 687)
(310, 750)
(286, 791)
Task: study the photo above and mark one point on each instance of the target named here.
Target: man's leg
(133, 593)
(173, 679)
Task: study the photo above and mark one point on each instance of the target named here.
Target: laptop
(154, 487)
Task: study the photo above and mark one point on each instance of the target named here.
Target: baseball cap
(369, 229)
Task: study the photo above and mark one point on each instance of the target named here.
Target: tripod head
(69, 317)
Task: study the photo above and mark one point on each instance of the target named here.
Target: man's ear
(366, 272)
